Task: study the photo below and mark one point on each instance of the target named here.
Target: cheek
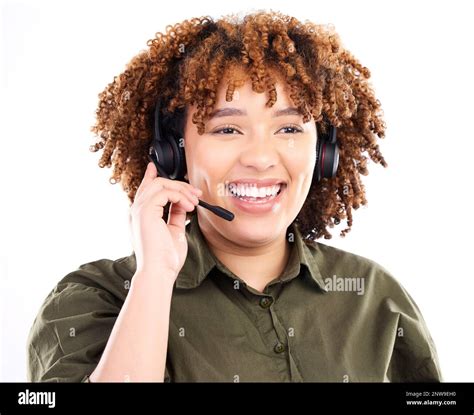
(300, 165)
(301, 161)
(208, 163)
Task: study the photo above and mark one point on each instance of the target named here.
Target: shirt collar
(200, 260)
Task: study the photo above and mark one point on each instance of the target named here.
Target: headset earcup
(179, 160)
(327, 155)
(333, 152)
(330, 160)
(161, 153)
(165, 151)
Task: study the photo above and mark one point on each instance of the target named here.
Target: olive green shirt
(330, 316)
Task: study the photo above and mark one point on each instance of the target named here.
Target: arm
(137, 346)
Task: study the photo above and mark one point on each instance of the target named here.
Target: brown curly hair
(184, 66)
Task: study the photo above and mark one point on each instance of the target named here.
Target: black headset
(167, 152)
(327, 154)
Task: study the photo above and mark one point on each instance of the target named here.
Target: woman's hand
(160, 247)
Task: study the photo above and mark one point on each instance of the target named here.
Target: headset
(166, 150)
(327, 154)
(167, 153)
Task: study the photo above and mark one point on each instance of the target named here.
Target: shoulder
(383, 295)
(331, 258)
(99, 280)
(386, 306)
(379, 283)
(110, 275)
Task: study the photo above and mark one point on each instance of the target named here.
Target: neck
(257, 266)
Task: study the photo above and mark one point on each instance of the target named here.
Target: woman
(247, 101)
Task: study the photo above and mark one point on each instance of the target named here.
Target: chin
(256, 229)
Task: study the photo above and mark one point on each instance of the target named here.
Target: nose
(259, 154)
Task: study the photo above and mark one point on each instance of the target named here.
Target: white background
(58, 209)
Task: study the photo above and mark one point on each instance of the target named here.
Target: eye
(226, 130)
(293, 129)
(230, 130)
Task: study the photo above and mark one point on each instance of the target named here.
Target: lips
(257, 182)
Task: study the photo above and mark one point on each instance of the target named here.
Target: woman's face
(252, 150)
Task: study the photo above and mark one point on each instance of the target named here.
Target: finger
(161, 183)
(148, 177)
(166, 195)
(196, 190)
(174, 184)
(177, 216)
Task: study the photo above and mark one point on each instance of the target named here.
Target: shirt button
(279, 348)
(266, 302)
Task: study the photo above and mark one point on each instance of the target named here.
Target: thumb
(151, 171)
(150, 174)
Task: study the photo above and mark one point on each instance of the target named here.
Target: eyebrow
(227, 112)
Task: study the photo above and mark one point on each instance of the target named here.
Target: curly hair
(184, 66)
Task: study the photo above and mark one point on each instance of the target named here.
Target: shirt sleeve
(414, 357)
(70, 332)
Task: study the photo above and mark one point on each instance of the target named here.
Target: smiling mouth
(256, 195)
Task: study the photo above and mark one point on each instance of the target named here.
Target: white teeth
(262, 192)
(240, 190)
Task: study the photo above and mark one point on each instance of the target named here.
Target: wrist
(164, 279)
